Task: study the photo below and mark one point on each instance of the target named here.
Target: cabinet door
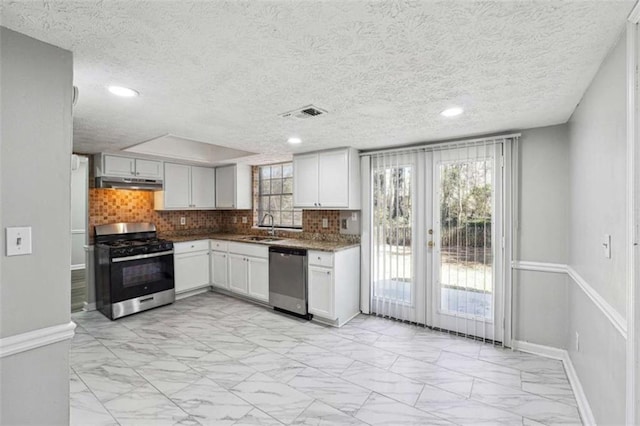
(321, 299)
(333, 179)
(219, 269)
(177, 186)
(191, 271)
(226, 187)
(258, 278)
(238, 273)
(119, 166)
(203, 187)
(305, 180)
(149, 169)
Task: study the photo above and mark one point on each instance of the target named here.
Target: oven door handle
(141, 256)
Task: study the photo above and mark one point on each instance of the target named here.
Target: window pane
(287, 202)
(276, 218)
(276, 186)
(275, 196)
(274, 204)
(287, 186)
(264, 204)
(265, 187)
(287, 170)
(265, 172)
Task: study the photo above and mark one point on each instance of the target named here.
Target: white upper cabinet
(333, 176)
(113, 165)
(305, 180)
(186, 188)
(233, 187)
(148, 169)
(177, 186)
(203, 190)
(118, 166)
(327, 180)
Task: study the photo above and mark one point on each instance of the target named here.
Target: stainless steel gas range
(134, 269)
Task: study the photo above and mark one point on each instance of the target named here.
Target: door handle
(430, 244)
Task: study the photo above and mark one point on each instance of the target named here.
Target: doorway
(437, 237)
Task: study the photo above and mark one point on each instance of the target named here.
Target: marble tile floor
(214, 360)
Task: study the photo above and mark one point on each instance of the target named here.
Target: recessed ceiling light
(294, 140)
(452, 112)
(125, 92)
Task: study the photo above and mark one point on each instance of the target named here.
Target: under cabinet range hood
(129, 183)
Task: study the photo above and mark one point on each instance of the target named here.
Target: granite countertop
(286, 242)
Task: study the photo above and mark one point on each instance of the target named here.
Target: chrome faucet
(272, 232)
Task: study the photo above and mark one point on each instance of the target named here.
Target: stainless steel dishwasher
(288, 280)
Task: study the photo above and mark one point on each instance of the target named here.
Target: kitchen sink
(261, 239)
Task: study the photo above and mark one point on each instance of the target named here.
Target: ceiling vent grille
(308, 111)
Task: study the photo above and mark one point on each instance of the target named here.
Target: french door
(437, 254)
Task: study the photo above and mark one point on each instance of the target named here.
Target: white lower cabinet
(249, 270)
(238, 273)
(218, 266)
(258, 278)
(321, 292)
(191, 265)
(334, 285)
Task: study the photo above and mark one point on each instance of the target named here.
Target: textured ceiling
(222, 71)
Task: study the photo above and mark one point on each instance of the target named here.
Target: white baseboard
(89, 306)
(560, 354)
(533, 348)
(34, 339)
(190, 293)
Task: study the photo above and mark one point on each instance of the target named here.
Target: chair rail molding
(36, 338)
(524, 265)
(609, 311)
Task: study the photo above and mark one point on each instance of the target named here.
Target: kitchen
(449, 169)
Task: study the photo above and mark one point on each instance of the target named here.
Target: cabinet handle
(328, 272)
(319, 204)
(318, 257)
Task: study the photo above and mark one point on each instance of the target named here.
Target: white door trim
(633, 292)
(34, 339)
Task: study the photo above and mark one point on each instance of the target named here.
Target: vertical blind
(436, 236)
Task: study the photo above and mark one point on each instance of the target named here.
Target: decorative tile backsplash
(118, 205)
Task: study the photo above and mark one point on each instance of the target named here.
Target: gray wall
(540, 298)
(597, 132)
(35, 151)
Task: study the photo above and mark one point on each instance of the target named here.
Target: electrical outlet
(183, 221)
(343, 223)
(325, 222)
(244, 219)
(577, 342)
(235, 219)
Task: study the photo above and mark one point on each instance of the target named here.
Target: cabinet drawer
(190, 246)
(219, 245)
(320, 258)
(255, 250)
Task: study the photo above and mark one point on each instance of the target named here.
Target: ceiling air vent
(308, 111)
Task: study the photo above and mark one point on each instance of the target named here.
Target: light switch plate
(244, 219)
(18, 241)
(183, 221)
